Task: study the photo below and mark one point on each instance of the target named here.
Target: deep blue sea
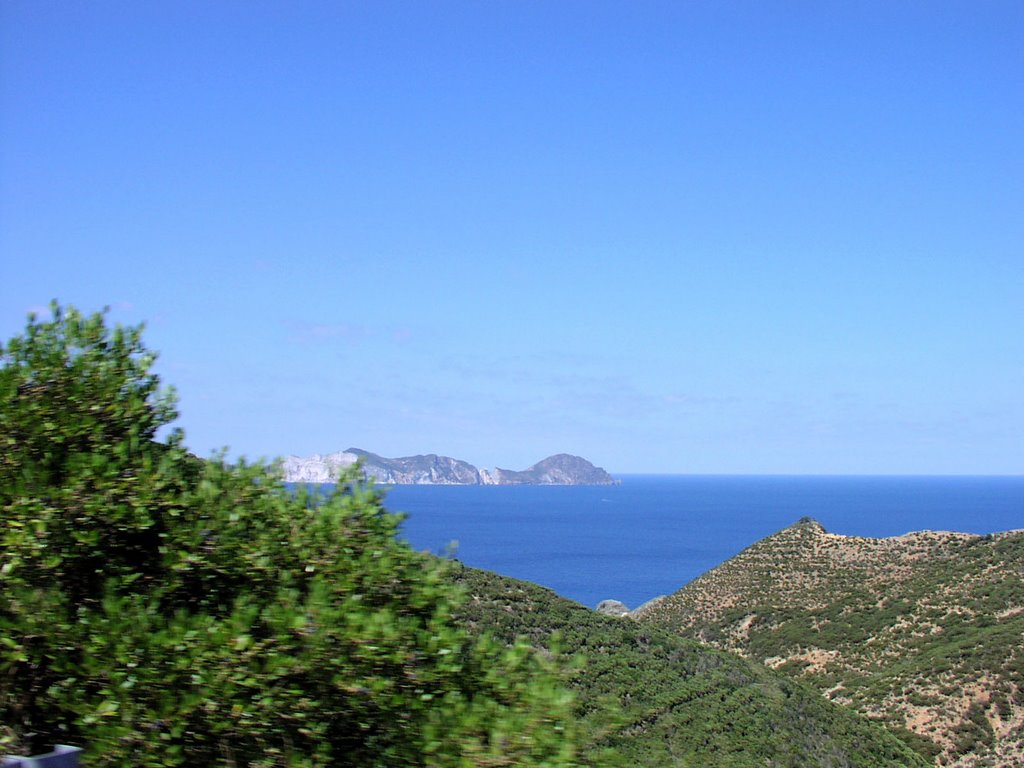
(654, 533)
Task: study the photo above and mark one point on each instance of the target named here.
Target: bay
(652, 534)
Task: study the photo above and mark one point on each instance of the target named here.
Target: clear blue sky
(750, 237)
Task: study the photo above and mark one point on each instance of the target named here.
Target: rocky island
(431, 469)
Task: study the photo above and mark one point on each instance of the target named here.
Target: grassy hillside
(923, 631)
(649, 698)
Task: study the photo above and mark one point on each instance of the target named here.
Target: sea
(652, 534)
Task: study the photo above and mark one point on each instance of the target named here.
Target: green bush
(161, 611)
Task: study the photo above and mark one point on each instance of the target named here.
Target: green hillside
(648, 698)
(923, 631)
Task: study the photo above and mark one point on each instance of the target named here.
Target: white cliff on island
(317, 468)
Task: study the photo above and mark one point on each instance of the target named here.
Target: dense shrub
(160, 610)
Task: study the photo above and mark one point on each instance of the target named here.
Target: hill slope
(923, 631)
(649, 698)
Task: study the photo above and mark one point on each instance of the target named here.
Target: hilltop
(923, 631)
(431, 469)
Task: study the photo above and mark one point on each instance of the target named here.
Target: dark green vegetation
(160, 610)
(646, 697)
(923, 631)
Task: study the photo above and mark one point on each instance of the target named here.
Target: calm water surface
(654, 533)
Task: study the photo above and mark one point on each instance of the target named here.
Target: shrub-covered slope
(924, 631)
(648, 698)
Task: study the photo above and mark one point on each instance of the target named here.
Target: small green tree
(160, 610)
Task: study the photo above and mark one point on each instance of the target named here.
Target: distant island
(431, 469)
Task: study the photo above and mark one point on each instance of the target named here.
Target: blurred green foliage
(160, 610)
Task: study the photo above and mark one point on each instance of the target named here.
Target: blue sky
(733, 237)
